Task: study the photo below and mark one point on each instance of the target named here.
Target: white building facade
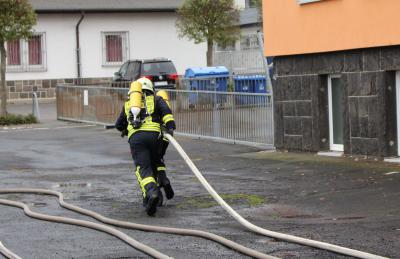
(140, 35)
(91, 41)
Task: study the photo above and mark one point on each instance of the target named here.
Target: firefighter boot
(166, 184)
(152, 201)
(161, 198)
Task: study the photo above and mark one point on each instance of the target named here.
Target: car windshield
(157, 68)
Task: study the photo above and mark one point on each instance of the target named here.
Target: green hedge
(12, 119)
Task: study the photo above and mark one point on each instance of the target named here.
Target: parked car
(160, 71)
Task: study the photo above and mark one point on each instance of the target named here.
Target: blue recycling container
(207, 79)
(250, 84)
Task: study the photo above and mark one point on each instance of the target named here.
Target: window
(228, 47)
(27, 55)
(251, 3)
(307, 1)
(249, 42)
(115, 48)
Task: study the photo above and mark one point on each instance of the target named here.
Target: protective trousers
(162, 178)
(161, 174)
(144, 148)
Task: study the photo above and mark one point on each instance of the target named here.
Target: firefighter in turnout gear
(141, 119)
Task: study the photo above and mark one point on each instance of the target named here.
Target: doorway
(398, 110)
(335, 101)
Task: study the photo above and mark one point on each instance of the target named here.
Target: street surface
(341, 201)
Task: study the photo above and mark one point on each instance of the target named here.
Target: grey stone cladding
(45, 88)
(300, 84)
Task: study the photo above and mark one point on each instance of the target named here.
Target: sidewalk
(47, 111)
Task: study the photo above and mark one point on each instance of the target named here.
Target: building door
(335, 97)
(398, 110)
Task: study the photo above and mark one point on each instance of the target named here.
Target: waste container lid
(206, 71)
(249, 77)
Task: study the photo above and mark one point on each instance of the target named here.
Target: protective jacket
(153, 113)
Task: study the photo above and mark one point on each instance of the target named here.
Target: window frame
(252, 41)
(125, 48)
(250, 4)
(228, 47)
(307, 1)
(24, 56)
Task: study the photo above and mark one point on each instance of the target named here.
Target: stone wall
(19, 90)
(301, 101)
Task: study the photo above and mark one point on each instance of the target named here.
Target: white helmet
(146, 84)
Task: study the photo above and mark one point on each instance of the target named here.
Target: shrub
(13, 119)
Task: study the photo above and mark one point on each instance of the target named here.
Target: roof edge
(145, 10)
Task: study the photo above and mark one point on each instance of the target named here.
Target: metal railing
(236, 117)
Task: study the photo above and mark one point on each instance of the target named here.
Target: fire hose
(148, 250)
(7, 253)
(155, 253)
(259, 230)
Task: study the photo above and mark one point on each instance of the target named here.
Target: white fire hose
(148, 250)
(262, 231)
(112, 231)
(7, 253)
(190, 232)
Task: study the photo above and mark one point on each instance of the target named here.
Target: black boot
(161, 199)
(152, 201)
(164, 182)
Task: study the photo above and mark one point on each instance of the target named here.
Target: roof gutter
(78, 48)
(144, 10)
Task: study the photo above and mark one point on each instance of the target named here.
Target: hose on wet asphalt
(262, 231)
(7, 253)
(148, 250)
(132, 242)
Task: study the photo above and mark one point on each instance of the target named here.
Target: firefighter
(142, 117)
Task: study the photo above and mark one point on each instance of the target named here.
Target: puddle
(347, 218)
(203, 202)
(72, 185)
(302, 216)
(39, 204)
(392, 173)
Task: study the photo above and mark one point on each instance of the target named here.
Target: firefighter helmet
(146, 84)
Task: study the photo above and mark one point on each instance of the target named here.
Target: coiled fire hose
(262, 231)
(123, 224)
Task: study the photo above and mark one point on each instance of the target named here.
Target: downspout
(78, 49)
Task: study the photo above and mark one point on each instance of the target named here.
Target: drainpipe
(78, 49)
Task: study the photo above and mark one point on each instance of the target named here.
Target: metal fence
(226, 116)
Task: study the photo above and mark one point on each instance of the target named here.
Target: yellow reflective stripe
(161, 168)
(150, 104)
(139, 178)
(147, 180)
(167, 118)
(165, 139)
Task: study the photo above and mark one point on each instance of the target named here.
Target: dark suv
(160, 71)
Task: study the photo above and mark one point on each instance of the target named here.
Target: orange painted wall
(329, 25)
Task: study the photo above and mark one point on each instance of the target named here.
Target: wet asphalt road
(354, 204)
